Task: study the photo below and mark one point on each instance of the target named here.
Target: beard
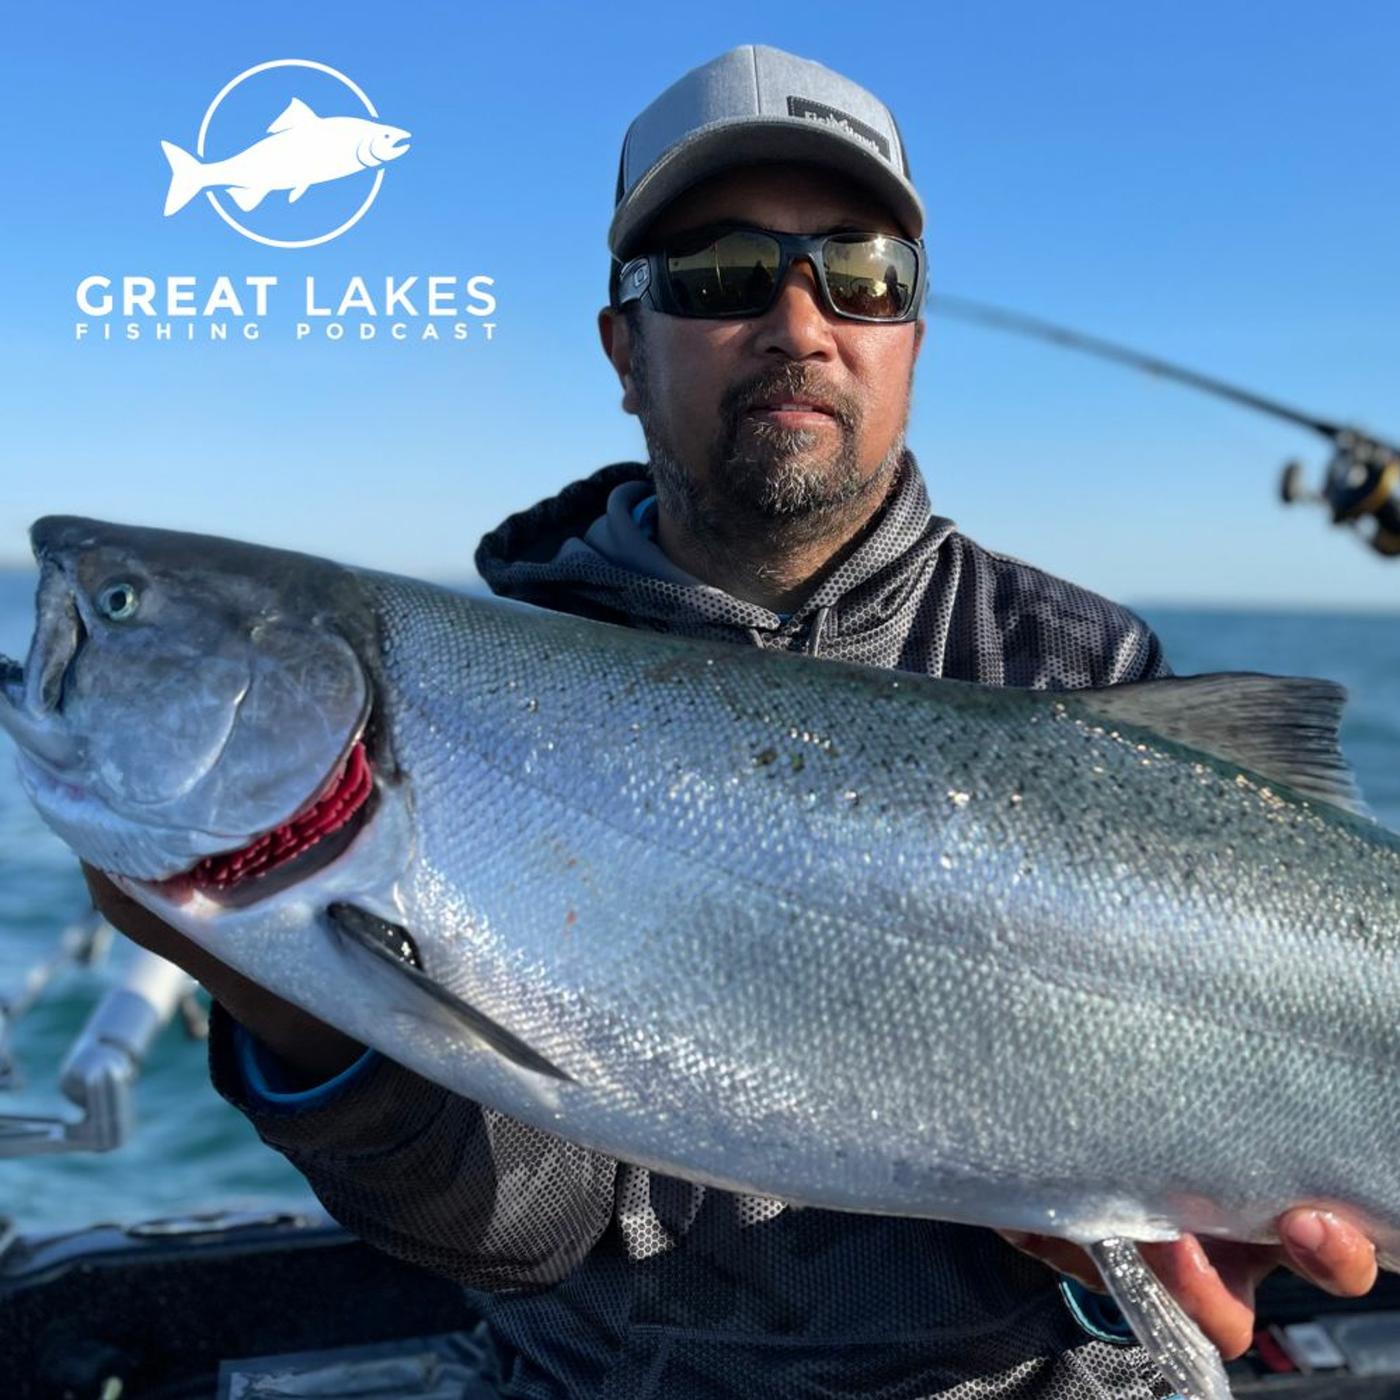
(763, 482)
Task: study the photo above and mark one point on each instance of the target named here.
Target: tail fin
(186, 177)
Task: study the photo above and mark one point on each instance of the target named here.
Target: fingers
(119, 909)
(102, 890)
(1219, 1302)
(1216, 1284)
(114, 904)
(1328, 1251)
(138, 923)
(1222, 1307)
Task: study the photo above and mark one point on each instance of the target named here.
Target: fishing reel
(1363, 477)
(1362, 482)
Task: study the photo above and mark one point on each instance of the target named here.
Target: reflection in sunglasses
(736, 272)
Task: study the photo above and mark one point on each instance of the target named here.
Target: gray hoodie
(912, 592)
(606, 1281)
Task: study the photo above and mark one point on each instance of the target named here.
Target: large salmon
(1108, 965)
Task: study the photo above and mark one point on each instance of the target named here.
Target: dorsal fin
(1282, 727)
(296, 112)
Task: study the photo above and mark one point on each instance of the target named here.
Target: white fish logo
(300, 150)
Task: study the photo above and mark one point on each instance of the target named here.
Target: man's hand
(141, 926)
(311, 1050)
(1214, 1280)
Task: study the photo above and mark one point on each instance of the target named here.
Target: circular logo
(316, 150)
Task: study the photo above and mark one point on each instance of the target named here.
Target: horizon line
(1247, 605)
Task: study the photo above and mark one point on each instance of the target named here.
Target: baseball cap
(750, 105)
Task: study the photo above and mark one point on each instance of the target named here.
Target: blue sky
(1212, 183)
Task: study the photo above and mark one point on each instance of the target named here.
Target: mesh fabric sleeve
(427, 1175)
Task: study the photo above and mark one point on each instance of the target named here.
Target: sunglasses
(736, 270)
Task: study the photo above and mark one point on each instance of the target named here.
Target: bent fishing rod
(1362, 480)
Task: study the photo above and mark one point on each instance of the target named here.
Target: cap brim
(755, 141)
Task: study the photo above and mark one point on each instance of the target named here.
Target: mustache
(795, 383)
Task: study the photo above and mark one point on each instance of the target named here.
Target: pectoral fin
(297, 193)
(245, 198)
(393, 946)
(1177, 1346)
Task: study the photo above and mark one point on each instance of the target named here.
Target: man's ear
(616, 336)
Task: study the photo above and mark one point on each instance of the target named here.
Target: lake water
(191, 1150)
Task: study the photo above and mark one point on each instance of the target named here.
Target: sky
(1214, 184)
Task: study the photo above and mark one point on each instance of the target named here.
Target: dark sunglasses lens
(729, 275)
(871, 276)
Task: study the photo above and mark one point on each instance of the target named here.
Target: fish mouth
(320, 831)
(390, 147)
(11, 680)
(31, 694)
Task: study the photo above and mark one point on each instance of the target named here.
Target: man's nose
(796, 325)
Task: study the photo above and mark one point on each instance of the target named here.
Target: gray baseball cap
(750, 105)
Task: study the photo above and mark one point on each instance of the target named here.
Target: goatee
(790, 486)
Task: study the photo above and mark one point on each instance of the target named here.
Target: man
(764, 324)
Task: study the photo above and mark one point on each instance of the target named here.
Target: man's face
(700, 387)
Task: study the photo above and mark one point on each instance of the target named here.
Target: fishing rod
(1362, 480)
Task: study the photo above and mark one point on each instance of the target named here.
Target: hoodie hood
(584, 551)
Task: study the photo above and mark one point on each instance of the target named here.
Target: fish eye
(118, 601)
